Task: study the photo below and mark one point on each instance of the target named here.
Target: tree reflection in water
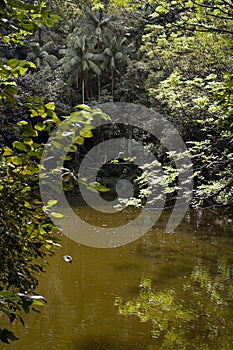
(199, 316)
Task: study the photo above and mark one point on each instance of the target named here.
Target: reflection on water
(81, 315)
(198, 317)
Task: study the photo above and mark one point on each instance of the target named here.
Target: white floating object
(67, 258)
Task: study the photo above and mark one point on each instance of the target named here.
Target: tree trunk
(98, 82)
(112, 78)
(83, 90)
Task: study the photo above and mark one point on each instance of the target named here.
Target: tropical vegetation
(174, 57)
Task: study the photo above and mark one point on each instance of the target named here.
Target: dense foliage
(175, 57)
(188, 45)
(26, 233)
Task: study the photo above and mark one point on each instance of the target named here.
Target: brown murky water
(80, 314)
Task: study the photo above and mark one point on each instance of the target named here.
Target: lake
(81, 313)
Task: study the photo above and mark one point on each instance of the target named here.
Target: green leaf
(40, 126)
(31, 169)
(27, 64)
(22, 122)
(7, 151)
(83, 107)
(34, 113)
(37, 298)
(10, 89)
(18, 160)
(38, 303)
(101, 188)
(28, 26)
(57, 215)
(73, 148)
(78, 116)
(36, 201)
(20, 146)
(50, 105)
(27, 205)
(52, 202)
(29, 131)
(13, 63)
(79, 140)
(22, 70)
(86, 133)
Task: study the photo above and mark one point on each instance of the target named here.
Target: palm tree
(93, 49)
(80, 62)
(117, 52)
(97, 25)
(41, 55)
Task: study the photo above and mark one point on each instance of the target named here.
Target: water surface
(81, 315)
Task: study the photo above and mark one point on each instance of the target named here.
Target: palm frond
(90, 14)
(95, 68)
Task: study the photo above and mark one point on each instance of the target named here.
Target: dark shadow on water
(104, 343)
(125, 266)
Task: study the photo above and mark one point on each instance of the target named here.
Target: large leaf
(95, 68)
